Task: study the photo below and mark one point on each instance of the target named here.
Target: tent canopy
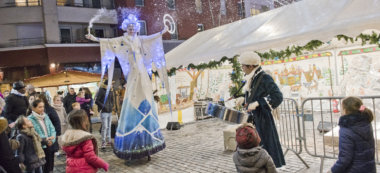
(63, 78)
(294, 24)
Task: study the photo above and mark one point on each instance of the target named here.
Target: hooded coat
(268, 96)
(356, 145)
(253, 160)
(81, 152)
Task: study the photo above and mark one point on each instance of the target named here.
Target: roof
(62, 78)
(294, 24)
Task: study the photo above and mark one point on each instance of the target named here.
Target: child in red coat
(80, 146)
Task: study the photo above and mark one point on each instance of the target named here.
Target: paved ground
(197, 147)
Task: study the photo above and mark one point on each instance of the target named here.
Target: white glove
(239, 101)
(92, 37)
(253, 106)
(164, 30)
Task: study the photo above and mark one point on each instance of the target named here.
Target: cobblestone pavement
(196, 147)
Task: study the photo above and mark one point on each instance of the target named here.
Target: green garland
(236, 75)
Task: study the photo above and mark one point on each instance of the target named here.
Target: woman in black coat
(261, 96)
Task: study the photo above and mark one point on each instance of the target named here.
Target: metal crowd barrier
(289, 127)
(320, 115)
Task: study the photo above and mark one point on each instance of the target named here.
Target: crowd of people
(36, 128)
(33, 128)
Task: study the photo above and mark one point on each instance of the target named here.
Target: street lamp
(52, 65)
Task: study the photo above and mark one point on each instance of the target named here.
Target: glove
(239, 101)
(91, 37)
(106, 167)
(253, 106)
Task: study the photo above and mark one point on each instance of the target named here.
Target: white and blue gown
(138, 132)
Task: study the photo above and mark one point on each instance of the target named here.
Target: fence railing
(24, 42)
(289, 127)
(315, 127)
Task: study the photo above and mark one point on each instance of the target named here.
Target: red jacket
(81, 153)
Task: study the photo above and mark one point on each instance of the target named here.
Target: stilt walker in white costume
(138, 133)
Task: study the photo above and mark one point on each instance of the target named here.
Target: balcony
(24, 42)
(87, 3)
(22, 3)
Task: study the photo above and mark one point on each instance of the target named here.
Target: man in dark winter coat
(69, 100)
(105, 110)
(7, 160)
(16, 103)
(261, 96)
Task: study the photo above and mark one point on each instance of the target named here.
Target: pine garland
(236, 75)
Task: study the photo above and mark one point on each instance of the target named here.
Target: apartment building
(42, 36)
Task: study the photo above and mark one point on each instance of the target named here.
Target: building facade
(254, 7)
(42, 36)
(190, 16)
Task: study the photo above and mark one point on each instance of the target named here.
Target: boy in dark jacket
(249, 156)
(356, 142)
(30, 153)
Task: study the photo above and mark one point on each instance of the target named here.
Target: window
(22, 3)
(223, 10)
(175, 35)
(142, 27)
(86, 3)
(96, 4)
(240, 9)
(139, 3)
(264, 8)
(254, 12)
(99, 33)
(170, 4)
(200, 27)
(65, 35)
(198, 6)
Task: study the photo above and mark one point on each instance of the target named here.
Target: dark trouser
(89, 119)
(37, 170)
(49, 156)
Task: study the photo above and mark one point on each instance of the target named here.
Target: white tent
(295, 24)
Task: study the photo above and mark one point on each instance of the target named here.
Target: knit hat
(247, 136)
(249, 58)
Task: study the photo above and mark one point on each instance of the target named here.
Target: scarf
(249, 78)
(38, 116)
(13, 91)
(36, 141)
(58, 107)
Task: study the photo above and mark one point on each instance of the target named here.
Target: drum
(220, 111)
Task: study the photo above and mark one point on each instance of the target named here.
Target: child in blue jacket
(356, 141)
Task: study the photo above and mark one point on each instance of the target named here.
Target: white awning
(294, 24)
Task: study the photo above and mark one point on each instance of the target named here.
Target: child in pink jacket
(80, 146)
